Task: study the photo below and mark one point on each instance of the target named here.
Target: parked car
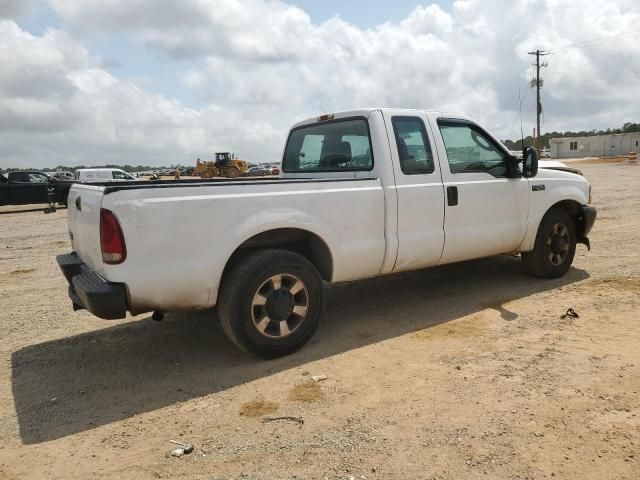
(258, 172)
(274, 169)
(428, 189)
(545, 153)
(30, 187)
(62, 175)
(99, 175)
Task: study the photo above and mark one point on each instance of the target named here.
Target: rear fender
(283, 218)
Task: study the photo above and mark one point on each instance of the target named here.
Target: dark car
(27, 187)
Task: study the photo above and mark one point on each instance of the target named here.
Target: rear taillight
(114, 250)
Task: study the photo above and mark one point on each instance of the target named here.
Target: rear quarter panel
(179, 239)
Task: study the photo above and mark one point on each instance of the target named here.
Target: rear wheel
(270, 304)
(555, 246)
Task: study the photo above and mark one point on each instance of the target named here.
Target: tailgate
(84, 223)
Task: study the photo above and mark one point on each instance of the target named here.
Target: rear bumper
(87, 290)
(588, 218)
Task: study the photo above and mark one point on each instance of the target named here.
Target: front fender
(558, 187)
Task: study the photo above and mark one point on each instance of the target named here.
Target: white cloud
(267, 65)
(57, 107)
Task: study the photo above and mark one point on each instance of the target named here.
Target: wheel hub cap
(558, 244)
(280, 305)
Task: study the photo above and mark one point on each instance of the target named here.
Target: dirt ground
(464, 371)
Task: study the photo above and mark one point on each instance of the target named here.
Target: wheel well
(574, 209)
(303, 242)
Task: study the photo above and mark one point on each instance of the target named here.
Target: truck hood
(555, 165)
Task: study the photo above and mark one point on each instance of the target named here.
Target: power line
(594, 40)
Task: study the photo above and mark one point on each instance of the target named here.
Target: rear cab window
(334, 146)
(414, 151)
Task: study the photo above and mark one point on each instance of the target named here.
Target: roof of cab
(365, 112)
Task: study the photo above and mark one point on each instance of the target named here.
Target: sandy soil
(464, 371)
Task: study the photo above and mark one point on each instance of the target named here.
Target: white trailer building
(595, 146)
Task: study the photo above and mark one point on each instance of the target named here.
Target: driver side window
(470, 150)
(37, 178)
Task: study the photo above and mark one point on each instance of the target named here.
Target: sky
(161, 82)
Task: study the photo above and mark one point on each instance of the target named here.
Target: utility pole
(538, 82)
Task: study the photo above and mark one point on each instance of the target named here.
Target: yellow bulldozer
(225, 165)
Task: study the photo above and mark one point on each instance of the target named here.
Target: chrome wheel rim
(280, 306)
(558, 244)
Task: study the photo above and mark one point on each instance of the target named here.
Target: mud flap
(584, 241)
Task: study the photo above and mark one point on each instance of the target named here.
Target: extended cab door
(486, 212)
(419, 190)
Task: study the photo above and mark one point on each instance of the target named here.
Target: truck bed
(148, 184)
(180, 234)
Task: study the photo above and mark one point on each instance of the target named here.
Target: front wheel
(270, 304)
(555, 246)
(233, 172)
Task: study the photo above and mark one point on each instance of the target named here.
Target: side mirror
(529, 162)
(513, 167)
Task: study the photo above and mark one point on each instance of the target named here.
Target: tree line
(628, 127)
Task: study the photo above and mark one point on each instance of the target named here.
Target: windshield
(341, 145)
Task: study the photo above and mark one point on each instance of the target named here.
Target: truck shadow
(78, 383)
(27, 210)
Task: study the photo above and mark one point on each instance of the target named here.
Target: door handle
(452, 196)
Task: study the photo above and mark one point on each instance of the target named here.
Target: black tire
(555, 246)
(252, 280)
(232, 172)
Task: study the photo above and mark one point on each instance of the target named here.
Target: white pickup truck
(362, 193)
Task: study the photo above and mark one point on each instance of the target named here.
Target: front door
(29, 187)
(486, 212)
